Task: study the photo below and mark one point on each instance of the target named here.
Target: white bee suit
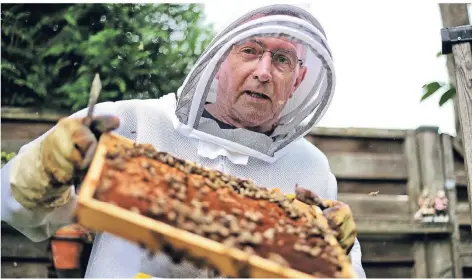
(175, 125)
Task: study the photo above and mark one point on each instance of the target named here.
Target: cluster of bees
(226, 209)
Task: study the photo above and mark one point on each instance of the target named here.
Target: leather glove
(42, 176)
(339, 216)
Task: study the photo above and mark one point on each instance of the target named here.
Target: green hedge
(50, 52)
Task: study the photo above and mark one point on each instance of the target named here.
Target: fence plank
(356, 145)
(18, 133)
(381, 205)
(420, 268)
(384, 214)
(386, 248)
(369, 225)
(466, 254)
(460, 173)
(45, 115)
(463, 213)
(359, 132)
(385, 187)
(457, 144)
(367, 165)
(448, 166)
(388, 271)
(17, 245)
(24, 270)
(414, 175)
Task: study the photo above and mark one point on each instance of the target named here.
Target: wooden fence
(399, 164)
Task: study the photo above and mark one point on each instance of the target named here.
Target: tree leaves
(50, 52)
(448, 90)
(448, 95)
(430, 88)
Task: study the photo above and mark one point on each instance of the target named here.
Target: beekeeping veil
(307, 105)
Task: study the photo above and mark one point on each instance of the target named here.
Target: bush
(50, 52)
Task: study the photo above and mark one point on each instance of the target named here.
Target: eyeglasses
(284, 60)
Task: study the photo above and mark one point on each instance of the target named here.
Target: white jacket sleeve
(355, 253)
(38, 224)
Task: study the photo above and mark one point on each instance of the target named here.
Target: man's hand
(340, 219)
(338, 214)
(42, 176)
(70, 147)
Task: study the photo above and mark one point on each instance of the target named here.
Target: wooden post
(429, 151)
(420, 268)
(439, 259)
(463, 61)
(448, 167)
(413, 168)
(457, 40)
(452, 15)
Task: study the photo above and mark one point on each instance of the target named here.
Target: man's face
(252, 91)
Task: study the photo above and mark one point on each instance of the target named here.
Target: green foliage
(447, 95)
(429, 89)
(50, 52)
(7, 157)
(448, 90)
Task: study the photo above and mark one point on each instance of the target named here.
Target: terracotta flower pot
(67, 246)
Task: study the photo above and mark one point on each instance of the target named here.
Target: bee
(269, 234)
(236, 211)
(315, 251)
(373, 193)
(278, 259)
(135, 210)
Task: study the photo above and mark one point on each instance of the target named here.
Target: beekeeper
(244, 108)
